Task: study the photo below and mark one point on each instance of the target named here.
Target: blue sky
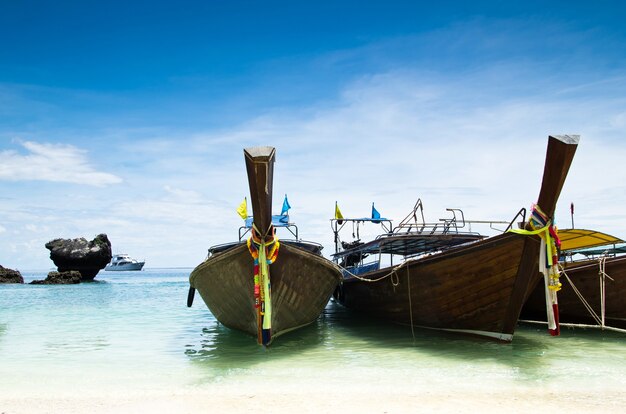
(130, 119)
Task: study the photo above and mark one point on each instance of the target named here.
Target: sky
(130, 118)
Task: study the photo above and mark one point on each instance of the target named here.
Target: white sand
(366, 401)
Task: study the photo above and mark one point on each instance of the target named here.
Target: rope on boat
(391, 274)
(600, 319)
(601, 264)
(408, 283)
(395, 281)
(603, 275)
(582, 298)
(264, 252)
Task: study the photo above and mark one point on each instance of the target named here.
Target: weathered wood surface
(463, 289)
(260, 169)
(302, 284)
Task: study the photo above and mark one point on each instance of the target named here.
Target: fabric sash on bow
(264, 253)
(541, 225)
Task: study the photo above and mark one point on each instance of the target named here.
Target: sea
(133, 331)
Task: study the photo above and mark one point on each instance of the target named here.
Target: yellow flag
(242, 210)
(338, 214)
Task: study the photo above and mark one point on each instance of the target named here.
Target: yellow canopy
(572, 239)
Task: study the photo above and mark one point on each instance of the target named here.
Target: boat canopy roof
(610, 251)
(281, 220)
(410, 244)
(573, 239)
(413, 236)
(310, 246)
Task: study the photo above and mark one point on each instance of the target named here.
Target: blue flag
(286, 206)
(375, 215)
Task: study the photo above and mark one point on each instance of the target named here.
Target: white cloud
(181, 194)
(388, 139)
(619, 121)
(35, 228)
(458, 143)
(52, 162)
(472, 138)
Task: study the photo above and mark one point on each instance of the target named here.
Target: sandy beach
(129, 345)
(368, 400)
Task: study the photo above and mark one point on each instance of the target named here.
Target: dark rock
(60, 278)
(80, 255)
(10, 276)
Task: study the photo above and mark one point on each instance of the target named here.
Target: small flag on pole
(242, 210)
(286, 206)
(338, 215)
(375, 215)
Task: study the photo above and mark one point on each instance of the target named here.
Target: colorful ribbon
(264, 254)
(541, 225)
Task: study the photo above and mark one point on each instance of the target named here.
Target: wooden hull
(302, 284)
(586, 279)
(477, 289)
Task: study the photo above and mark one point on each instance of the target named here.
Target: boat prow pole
(260, 169)
(559, 155)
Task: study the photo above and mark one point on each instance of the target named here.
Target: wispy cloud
(456, 141)
(457, 116)
(52, 162)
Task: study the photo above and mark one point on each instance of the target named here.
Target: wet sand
(366, 401)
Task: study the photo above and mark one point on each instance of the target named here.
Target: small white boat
(122, 262)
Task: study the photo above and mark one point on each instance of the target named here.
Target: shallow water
(132, 330)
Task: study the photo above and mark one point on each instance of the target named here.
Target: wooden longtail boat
(240, 286)
(594, 288)
(476, 288)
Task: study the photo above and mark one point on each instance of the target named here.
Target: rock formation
(80, 255)
(10, 276)
(60, 278)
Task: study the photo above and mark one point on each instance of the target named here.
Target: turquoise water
(132, 330)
